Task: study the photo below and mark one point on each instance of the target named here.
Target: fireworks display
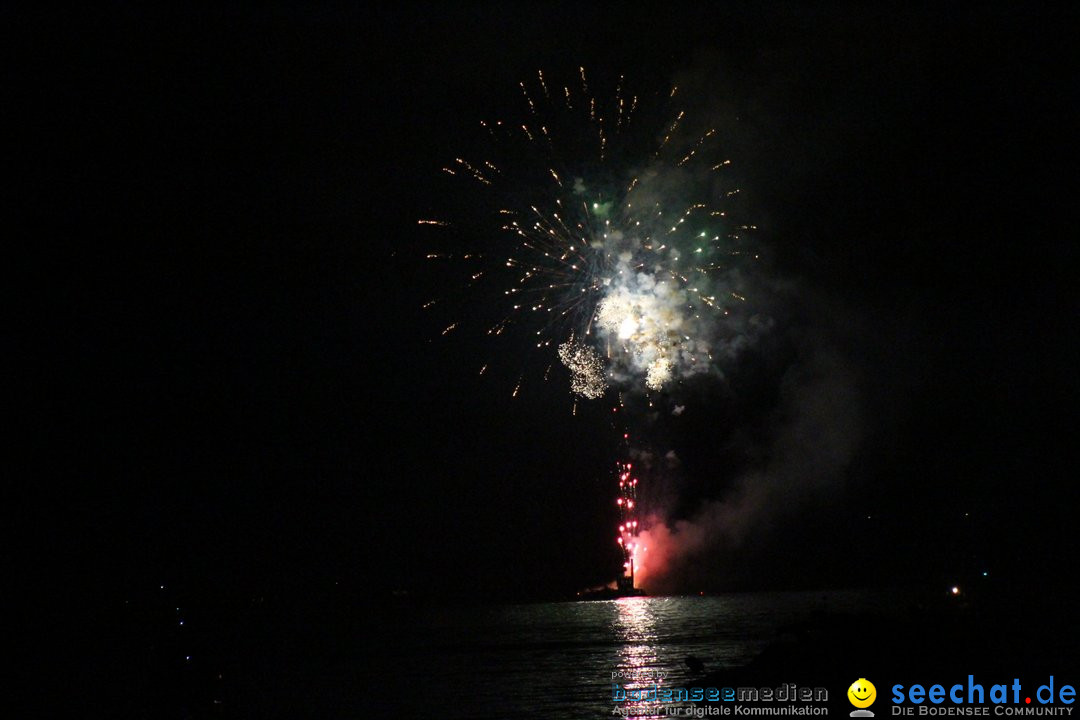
(618, 243)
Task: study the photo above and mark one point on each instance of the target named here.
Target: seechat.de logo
(862, 694)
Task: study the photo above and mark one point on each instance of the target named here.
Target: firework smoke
(805, 457)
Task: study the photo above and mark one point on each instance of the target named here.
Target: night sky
(234, 390)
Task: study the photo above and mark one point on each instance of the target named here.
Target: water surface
(556, 660)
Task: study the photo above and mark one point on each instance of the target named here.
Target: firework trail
(619, 244)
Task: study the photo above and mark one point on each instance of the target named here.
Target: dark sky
(233, 387)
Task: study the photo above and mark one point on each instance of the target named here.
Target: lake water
(556, 660)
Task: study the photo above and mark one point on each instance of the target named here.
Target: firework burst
(619, 242)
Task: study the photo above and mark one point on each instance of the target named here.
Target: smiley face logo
(862, 693)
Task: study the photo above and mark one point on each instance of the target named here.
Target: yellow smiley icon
(862, 693)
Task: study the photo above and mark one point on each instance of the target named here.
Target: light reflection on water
(635, 628)
(639, 664)
(559, 660)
